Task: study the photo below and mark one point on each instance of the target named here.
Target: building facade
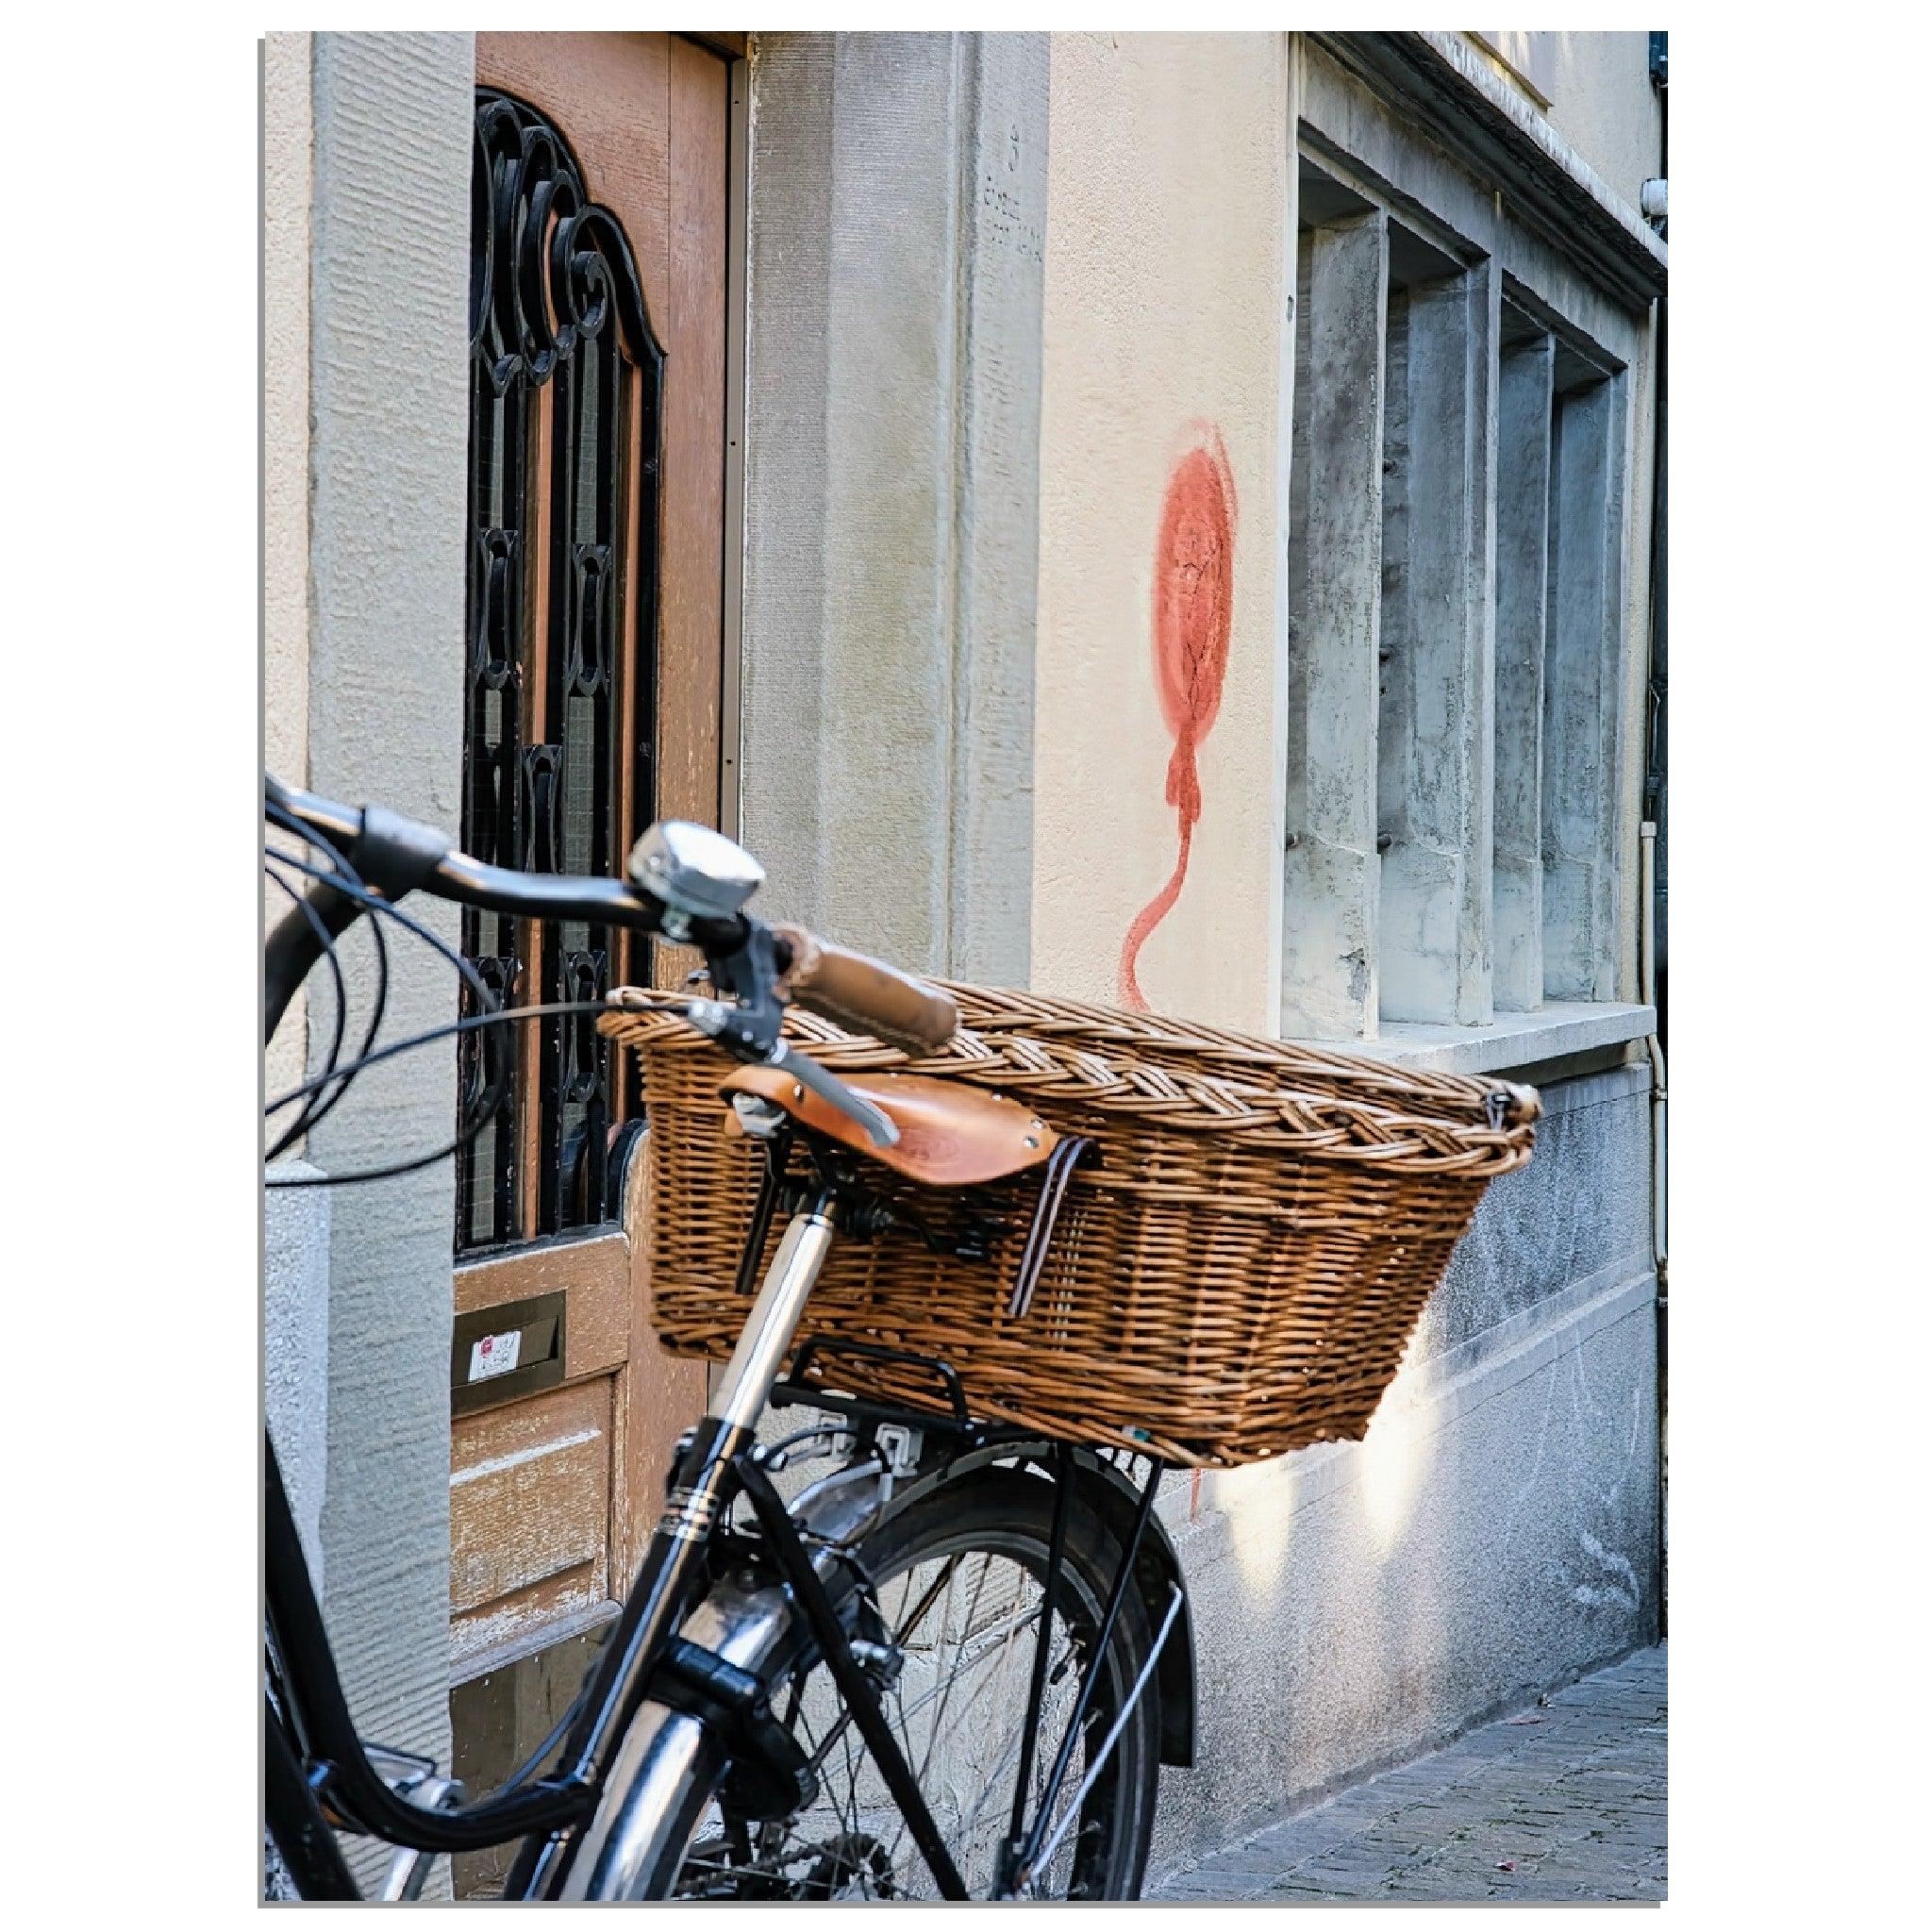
(957, 363)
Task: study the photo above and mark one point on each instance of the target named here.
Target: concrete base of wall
(1496, 1534)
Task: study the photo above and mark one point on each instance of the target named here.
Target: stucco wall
(295, 1231)
(1496, 1532)
(286, 141)
(389, 383)
(295, 1320)
(1596, 90)
(1603, 103)
(1168, 210)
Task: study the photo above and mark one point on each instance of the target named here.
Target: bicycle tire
(1004, 1514)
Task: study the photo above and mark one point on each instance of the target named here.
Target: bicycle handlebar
(867, 994)
(397, 855)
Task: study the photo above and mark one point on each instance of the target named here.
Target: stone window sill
(1515, 1042)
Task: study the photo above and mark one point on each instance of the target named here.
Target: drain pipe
(1660, 1098)
(1655, 812)
(1660, 1102)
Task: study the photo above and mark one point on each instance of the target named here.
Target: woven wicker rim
(1274, 1094)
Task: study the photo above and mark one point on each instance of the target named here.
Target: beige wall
(285, 149)
(1602, 103)
(1167, 206)
(1596, 90)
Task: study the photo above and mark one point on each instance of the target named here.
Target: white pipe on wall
(1660, 1099)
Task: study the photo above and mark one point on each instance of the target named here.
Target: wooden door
(597, 607)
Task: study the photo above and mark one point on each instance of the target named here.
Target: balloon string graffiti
(1194, 609)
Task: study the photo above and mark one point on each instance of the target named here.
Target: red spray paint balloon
(1193, 612)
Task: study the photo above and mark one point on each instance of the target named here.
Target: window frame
(1380, 170)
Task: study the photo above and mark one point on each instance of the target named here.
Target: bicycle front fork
(596, 1863)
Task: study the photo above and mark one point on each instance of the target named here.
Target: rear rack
(957, 1424)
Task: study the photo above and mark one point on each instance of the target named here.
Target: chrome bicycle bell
(693, 871)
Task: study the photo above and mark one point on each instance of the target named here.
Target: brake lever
(879, 1126)
(726, 1024)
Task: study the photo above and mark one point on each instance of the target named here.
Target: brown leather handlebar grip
(866, 994)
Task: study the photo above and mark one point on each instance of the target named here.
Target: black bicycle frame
(340, 1777)
(320, 1774)
(320, 1777)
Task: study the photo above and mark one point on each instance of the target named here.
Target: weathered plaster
(1633, 667)
(1556, 1030)
(295, 1306)
(1364, 138)
(1168, 282)
(1436, 722)
(1366, 144)
(1585, 828)
(1523, 539)
(1331, 872)
(1473, 69)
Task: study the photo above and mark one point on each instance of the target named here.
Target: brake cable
(348, 882)
(341, 1005)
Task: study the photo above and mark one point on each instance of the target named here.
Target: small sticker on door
(494, 1355)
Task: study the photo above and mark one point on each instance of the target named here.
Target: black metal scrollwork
(585, 978)
(539, 809)
(563, 521)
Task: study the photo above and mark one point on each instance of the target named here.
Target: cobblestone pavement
(1563, 1802)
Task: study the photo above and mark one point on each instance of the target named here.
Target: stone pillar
(1331, 873)
(388, 350)
(1522, 548)
(1581, 684)
(897, 225)
(1438, 643)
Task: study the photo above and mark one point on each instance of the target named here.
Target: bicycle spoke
(952, 1678)
(958, 1621)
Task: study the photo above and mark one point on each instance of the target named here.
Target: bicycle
(952, 1665)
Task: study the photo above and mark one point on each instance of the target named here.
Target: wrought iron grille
(565, 398)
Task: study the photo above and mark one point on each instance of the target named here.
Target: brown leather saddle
(950, 1135)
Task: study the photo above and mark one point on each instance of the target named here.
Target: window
(564, 392)
(1456, 635)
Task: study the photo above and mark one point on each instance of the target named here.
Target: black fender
(1156, 1568)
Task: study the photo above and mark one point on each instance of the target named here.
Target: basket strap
(1053, 1188)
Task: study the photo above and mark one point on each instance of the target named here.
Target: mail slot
(499, 1354)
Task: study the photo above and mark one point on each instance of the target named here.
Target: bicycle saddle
(950, 1136)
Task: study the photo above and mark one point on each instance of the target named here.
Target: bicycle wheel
(956, 1585)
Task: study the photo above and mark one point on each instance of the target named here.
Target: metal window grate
(565, 404)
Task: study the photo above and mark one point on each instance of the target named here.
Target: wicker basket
(1237, 1276)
